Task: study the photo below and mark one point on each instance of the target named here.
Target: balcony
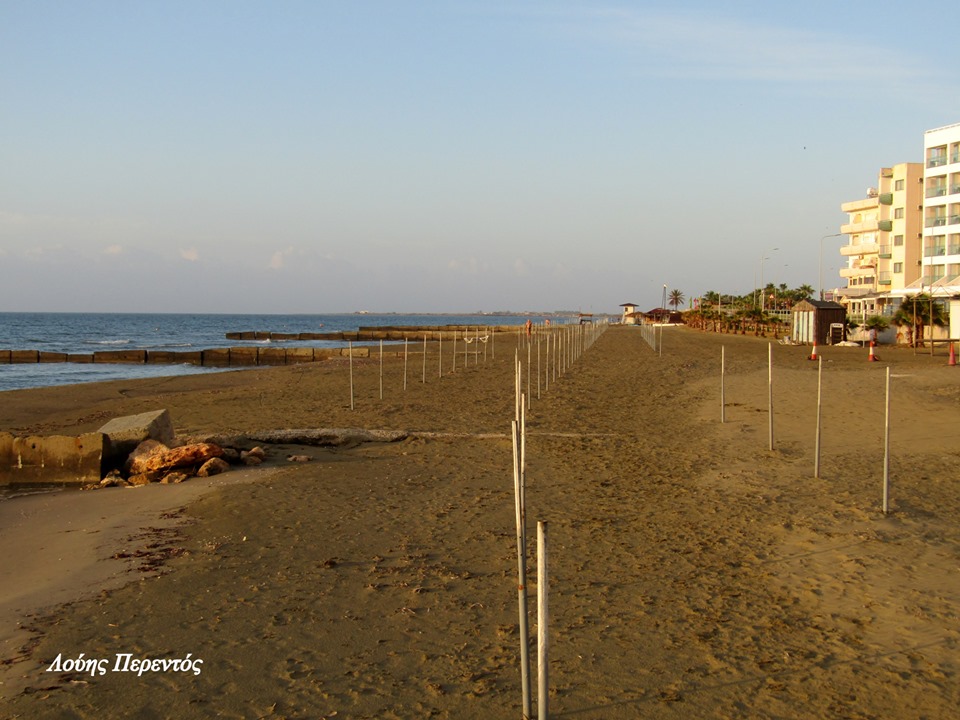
(937, 161)
(885, 225)
(858, 272)
(885, 278)
(886, 198)
(860, 227)
(938, 221)
(885, 251)
(861, 249)
(938, 191)
(935, 251)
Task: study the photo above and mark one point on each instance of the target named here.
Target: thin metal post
(521, 578)
(886, 450)
(406, 343)
(723, 371)
(543, 624)
(816, 450)
(350, 351)
(770, 389)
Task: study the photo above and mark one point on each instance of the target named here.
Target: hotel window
(898, 185)
(898, 213)
(898, 267)
(898, 240)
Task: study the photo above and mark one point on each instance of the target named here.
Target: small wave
(106, 342)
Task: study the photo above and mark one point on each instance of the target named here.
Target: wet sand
(694, 572)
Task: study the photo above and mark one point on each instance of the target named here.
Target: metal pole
(406, 350)
(424, 379)
(350, 351)
(381, 369)
(543, 623)
(770, 389)
(521, 580)
(816, 453)
(723, 371)
(886, 450)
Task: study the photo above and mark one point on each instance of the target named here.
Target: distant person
(529, 326)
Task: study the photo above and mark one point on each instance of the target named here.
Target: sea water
(86, 333)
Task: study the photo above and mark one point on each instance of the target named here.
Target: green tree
(914, 313)
(675, 298)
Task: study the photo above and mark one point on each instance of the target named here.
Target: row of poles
(561, 350)
(487, 339)
(816, 454)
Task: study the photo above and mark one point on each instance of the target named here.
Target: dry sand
(694, 573)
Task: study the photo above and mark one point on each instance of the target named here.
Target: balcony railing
(938, 161)
(953, 250)
(936, 191)
(861, 249)
(935, 251)
(885, 251)
(938, 221)
(885, 278)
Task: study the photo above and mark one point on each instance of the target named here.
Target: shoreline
(693, 571)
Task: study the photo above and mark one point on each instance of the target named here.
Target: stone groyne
(245, 356)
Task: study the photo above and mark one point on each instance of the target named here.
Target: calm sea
(88, 332)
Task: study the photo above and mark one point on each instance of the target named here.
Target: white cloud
(279, 258)
(113, 250)
(190, 254)
(678, 44)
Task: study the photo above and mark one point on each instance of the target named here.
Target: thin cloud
(674, 44)
(190, 254)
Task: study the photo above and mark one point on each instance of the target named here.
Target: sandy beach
(695, 573)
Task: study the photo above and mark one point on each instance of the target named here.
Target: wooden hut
(819, 321)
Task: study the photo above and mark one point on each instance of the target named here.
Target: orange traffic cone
(872, 357)
(953, 356)
(813, 355)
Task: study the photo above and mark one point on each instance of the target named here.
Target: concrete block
(24, 356)
(80, 358)
(261, 335)
(299, 355)
(51, 357)
(123, 434)
(190, 357)
(284, 336)
(243, 356)
(234, 336)
(4, 357)
(55, 459)
(120, 356)
(162, 357)
(363, 351)
(217, 357)
(271, 356)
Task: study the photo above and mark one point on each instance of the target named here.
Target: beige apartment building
(941, 215)
(884, 242)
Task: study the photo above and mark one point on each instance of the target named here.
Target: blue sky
(445, 156)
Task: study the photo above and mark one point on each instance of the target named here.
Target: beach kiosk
(813, 320)
(629, 314)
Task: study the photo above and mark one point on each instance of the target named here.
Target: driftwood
(329, 437)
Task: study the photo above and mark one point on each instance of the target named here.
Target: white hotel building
(904, 237)
(941, 211)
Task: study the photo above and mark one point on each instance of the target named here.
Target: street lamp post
(762, 258)
(821, 258)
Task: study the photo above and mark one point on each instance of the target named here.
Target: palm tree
(675, 299)
(915, 313)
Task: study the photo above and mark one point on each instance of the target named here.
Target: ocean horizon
(85, 333)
